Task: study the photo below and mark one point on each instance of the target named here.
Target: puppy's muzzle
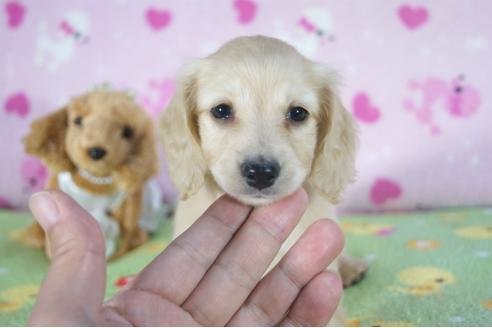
(260, 173)
(96, 153)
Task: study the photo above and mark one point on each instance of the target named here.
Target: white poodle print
(313, 29)
(56, 46)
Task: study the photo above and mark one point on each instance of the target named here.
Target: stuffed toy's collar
(96, 180)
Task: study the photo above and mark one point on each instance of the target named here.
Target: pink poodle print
(456, 97)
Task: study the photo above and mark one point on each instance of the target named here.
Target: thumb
(73, 290)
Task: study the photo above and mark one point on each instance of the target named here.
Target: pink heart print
(15, 14)
(4, 203)
(158, 19)
(385, 231)
(411, 17)
(18, 104)
(158, 95)
(246, 10)
(384, 190)
(33, 173)
(363, 109)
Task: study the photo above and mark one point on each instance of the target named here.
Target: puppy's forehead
(256, 80)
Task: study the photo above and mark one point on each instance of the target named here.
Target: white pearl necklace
(96, 180)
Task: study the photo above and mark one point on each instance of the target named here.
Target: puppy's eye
(127, 132)
(297, 114)
(222, 112)
(78, 121)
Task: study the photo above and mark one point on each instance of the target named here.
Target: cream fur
(261, 78)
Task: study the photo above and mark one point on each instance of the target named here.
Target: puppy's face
(258, 125)
(102, 132)
(263, 120)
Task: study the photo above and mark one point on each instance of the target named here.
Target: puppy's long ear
(334, 163)
(46, 140)
(142, 162)
(179, 133)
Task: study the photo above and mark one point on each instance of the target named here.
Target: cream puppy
(257, 120)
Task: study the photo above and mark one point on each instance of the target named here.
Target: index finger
(240, 266)
(176, 272)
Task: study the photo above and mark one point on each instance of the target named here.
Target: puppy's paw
(351, 270)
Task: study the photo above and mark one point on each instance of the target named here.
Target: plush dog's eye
(297, 114)
(78, 121)
(222, 112)
(127, 132)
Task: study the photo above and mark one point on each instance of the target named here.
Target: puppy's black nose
(96, 153)
(260, 173)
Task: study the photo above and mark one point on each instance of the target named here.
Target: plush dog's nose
(96, 153)
(261, 173)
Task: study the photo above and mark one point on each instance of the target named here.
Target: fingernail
(44, 208)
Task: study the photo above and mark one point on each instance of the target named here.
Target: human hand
(210, 275)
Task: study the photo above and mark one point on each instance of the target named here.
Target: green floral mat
(426, 268)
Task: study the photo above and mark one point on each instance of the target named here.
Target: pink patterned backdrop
(417, 77)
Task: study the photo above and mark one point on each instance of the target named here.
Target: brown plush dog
(100, 149)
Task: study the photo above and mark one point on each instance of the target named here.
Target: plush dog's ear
(334, 163)
(142, 162)
(46, 140)
(180, 136)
